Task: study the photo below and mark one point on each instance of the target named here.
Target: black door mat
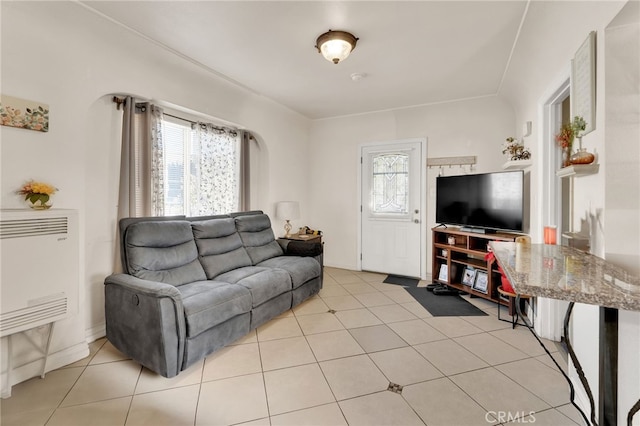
(444, 306)
(400, 280)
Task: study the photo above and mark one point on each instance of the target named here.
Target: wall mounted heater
(40, 268)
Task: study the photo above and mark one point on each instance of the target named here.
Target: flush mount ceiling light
(335, 46)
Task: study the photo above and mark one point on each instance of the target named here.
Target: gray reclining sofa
(193, 285)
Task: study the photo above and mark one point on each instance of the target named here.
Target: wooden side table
(304, 237)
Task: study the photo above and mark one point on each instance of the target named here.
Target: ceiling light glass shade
(336, 46)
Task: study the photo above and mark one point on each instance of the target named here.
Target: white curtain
(216, 170)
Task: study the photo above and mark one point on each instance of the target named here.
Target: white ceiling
(411, 52)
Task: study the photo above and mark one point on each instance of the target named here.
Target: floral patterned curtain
(157, 162)
(215, 162)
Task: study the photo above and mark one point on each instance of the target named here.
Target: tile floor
(314, 367)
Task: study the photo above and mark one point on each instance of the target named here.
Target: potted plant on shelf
(515, 150)
(38, 194)
(565, 138)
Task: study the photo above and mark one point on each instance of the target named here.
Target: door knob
(416, 220)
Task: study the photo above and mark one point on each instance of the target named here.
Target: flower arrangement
(516, 150)
(37, 193)
(568, 132)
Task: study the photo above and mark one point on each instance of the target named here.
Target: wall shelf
(578, 170)
(517, 164)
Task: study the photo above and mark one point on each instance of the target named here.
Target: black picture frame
(481, 282)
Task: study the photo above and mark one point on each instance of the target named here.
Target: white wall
(473, 127)
(540, 63)
(61, 54)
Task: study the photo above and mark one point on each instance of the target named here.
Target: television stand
(477, 230)
(459, 261)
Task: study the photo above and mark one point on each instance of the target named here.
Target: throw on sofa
(193, 285)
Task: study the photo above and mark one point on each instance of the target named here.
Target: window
(201, 168)
(390, 183)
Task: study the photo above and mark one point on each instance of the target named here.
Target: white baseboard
(34, 369)
(94, 333)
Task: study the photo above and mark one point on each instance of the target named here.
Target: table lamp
(287, 210)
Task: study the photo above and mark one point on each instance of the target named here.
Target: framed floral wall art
(24, 114)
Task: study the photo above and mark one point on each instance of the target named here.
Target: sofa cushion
(301, 269)
(263, 283)
(209, 303)
(163, 251)
(220, 246)
(257, 237)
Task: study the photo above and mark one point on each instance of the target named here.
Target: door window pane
(390, 192)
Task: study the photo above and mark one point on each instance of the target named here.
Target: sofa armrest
(145, 321)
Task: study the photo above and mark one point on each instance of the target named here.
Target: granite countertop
(565, 273)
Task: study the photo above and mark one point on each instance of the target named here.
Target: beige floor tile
(399, 295)
(335, 344)
(283, 353)
(172, 407)
(40, 394)
(296, 388)
(259, 422)
(548, 384)
(232, 361)
(377, 338)
(416, 331)
(314, 305)
(104, 381)
(382, 408)
(450, 357)
(107, 353)
(491, 349)
(381, 286)
(359, 288)
(488, 323)
(481, 303)
(558, 357)
(392, 313)
(233, 400)
(94, 347)
(347, 278)
(416, 309)
(250, 337)
(376, 298)
(319, 323)
(522, 339)
(279, 329)
(404, 366)
(355, 318)
(26, 418)
(151, 382)
(441, 403)
(353, 376)
(286, 314)
(323, 415)
(332, 291)
(341, 303)
(572, 413)
(550, 417)
(101, 413)
(496, 392)
(371, 276)
(452, 326)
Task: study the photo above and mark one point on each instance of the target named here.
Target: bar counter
(565, 273)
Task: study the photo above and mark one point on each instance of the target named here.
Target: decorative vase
(566, 156)
(40, 205)
(582, 156)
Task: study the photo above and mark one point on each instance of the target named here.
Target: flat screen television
(484, 202)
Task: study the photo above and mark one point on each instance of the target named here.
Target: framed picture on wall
(468, 276)
(481, 282)
(583, 82)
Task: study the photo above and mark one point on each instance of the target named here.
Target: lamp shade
(287, 210)
(335, 46)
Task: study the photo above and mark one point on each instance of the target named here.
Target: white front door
(393, 237)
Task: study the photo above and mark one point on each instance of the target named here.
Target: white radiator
(40, 268)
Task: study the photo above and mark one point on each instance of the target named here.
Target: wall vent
(39, 311)
(32, 227)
